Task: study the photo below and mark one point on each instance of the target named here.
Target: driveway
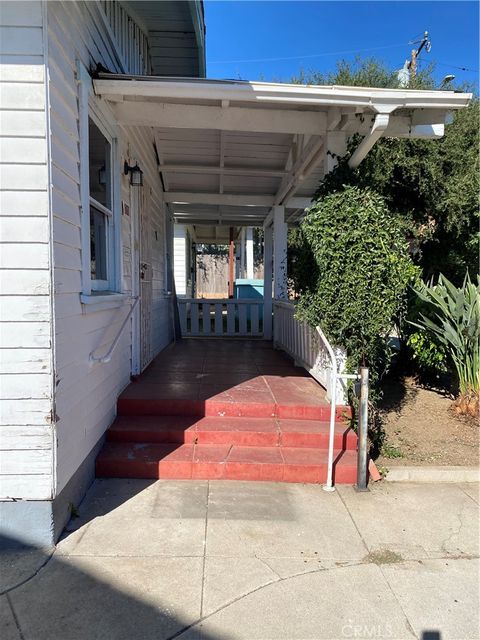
(225, 560)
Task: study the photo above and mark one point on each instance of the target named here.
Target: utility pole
(424, 42)
(413, 63)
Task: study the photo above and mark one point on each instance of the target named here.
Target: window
(101, 215)
(99, 181)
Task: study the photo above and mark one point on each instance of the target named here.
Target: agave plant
(455, 320)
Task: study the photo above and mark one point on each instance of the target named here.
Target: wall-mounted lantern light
(136, 174)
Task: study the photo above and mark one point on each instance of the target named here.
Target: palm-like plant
(456, 323)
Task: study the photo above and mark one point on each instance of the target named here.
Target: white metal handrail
(108, 356)
(296, 338)
(328, 486)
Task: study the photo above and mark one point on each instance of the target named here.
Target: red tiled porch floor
(231, 409)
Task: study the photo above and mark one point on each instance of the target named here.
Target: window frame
(91, 109)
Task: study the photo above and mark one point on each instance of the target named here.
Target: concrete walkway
(225, 560)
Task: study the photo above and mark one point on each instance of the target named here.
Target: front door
(145, 280)
(142, 279)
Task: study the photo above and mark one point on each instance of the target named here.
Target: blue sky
(283, 37)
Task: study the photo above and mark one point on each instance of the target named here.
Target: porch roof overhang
(230, 150)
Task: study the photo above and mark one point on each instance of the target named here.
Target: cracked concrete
(237, 560)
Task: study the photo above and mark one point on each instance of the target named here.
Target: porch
(233, 154)
(230, 409)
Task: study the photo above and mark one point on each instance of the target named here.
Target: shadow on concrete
(186, 500)
(104, 496)
(61, 600)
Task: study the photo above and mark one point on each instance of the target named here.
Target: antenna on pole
(426, 43)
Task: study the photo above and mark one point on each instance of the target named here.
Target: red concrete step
(258, 396)
(260, 432)
(214, 407)
(279, 464)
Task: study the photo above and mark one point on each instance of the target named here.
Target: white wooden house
(72, 232)
(87, 99)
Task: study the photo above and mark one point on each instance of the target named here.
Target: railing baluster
(231, 317)
(206, 322)
(254, 319)
(182, 312)
(194, 317)
(300, 341)
(242, 319)
(218, 319)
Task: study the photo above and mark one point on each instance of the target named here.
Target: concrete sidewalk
(232, 560)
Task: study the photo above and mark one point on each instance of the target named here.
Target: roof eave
(192, 89)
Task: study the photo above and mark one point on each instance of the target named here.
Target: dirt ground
(422, 429)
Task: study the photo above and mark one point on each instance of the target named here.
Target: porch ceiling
(229, 151)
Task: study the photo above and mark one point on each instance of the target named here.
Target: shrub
(454, 319)
(362, 273)
(428, 355)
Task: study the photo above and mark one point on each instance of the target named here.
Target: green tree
(432, 184)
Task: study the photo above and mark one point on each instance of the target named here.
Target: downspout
(376, 132)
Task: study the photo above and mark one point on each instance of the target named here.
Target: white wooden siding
(26, 430)
(86, 396)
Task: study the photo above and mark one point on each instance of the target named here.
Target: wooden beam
(181, 116)
(158, 147)
(222, 161)
(301, 169)
(219, 221)
(379, 126)
(216, 170)
(184, 197)
(298, 202)
(232, 199)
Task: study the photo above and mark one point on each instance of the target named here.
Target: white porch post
(250, 252)
(335, 145)
(280, 290)
(267, 282)
(238, 261)
(242, 253)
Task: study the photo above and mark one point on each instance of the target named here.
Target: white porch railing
(221, 317)
(311, 349)
(307, 347)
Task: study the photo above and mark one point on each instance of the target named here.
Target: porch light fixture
(136, 174)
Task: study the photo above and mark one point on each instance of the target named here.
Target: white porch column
(250, 252)
(280, 290)
(335, 145)
(242, 253)
(267, 282)
(238, 261)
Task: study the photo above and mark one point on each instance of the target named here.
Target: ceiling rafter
(217, 170)
(222, 161)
